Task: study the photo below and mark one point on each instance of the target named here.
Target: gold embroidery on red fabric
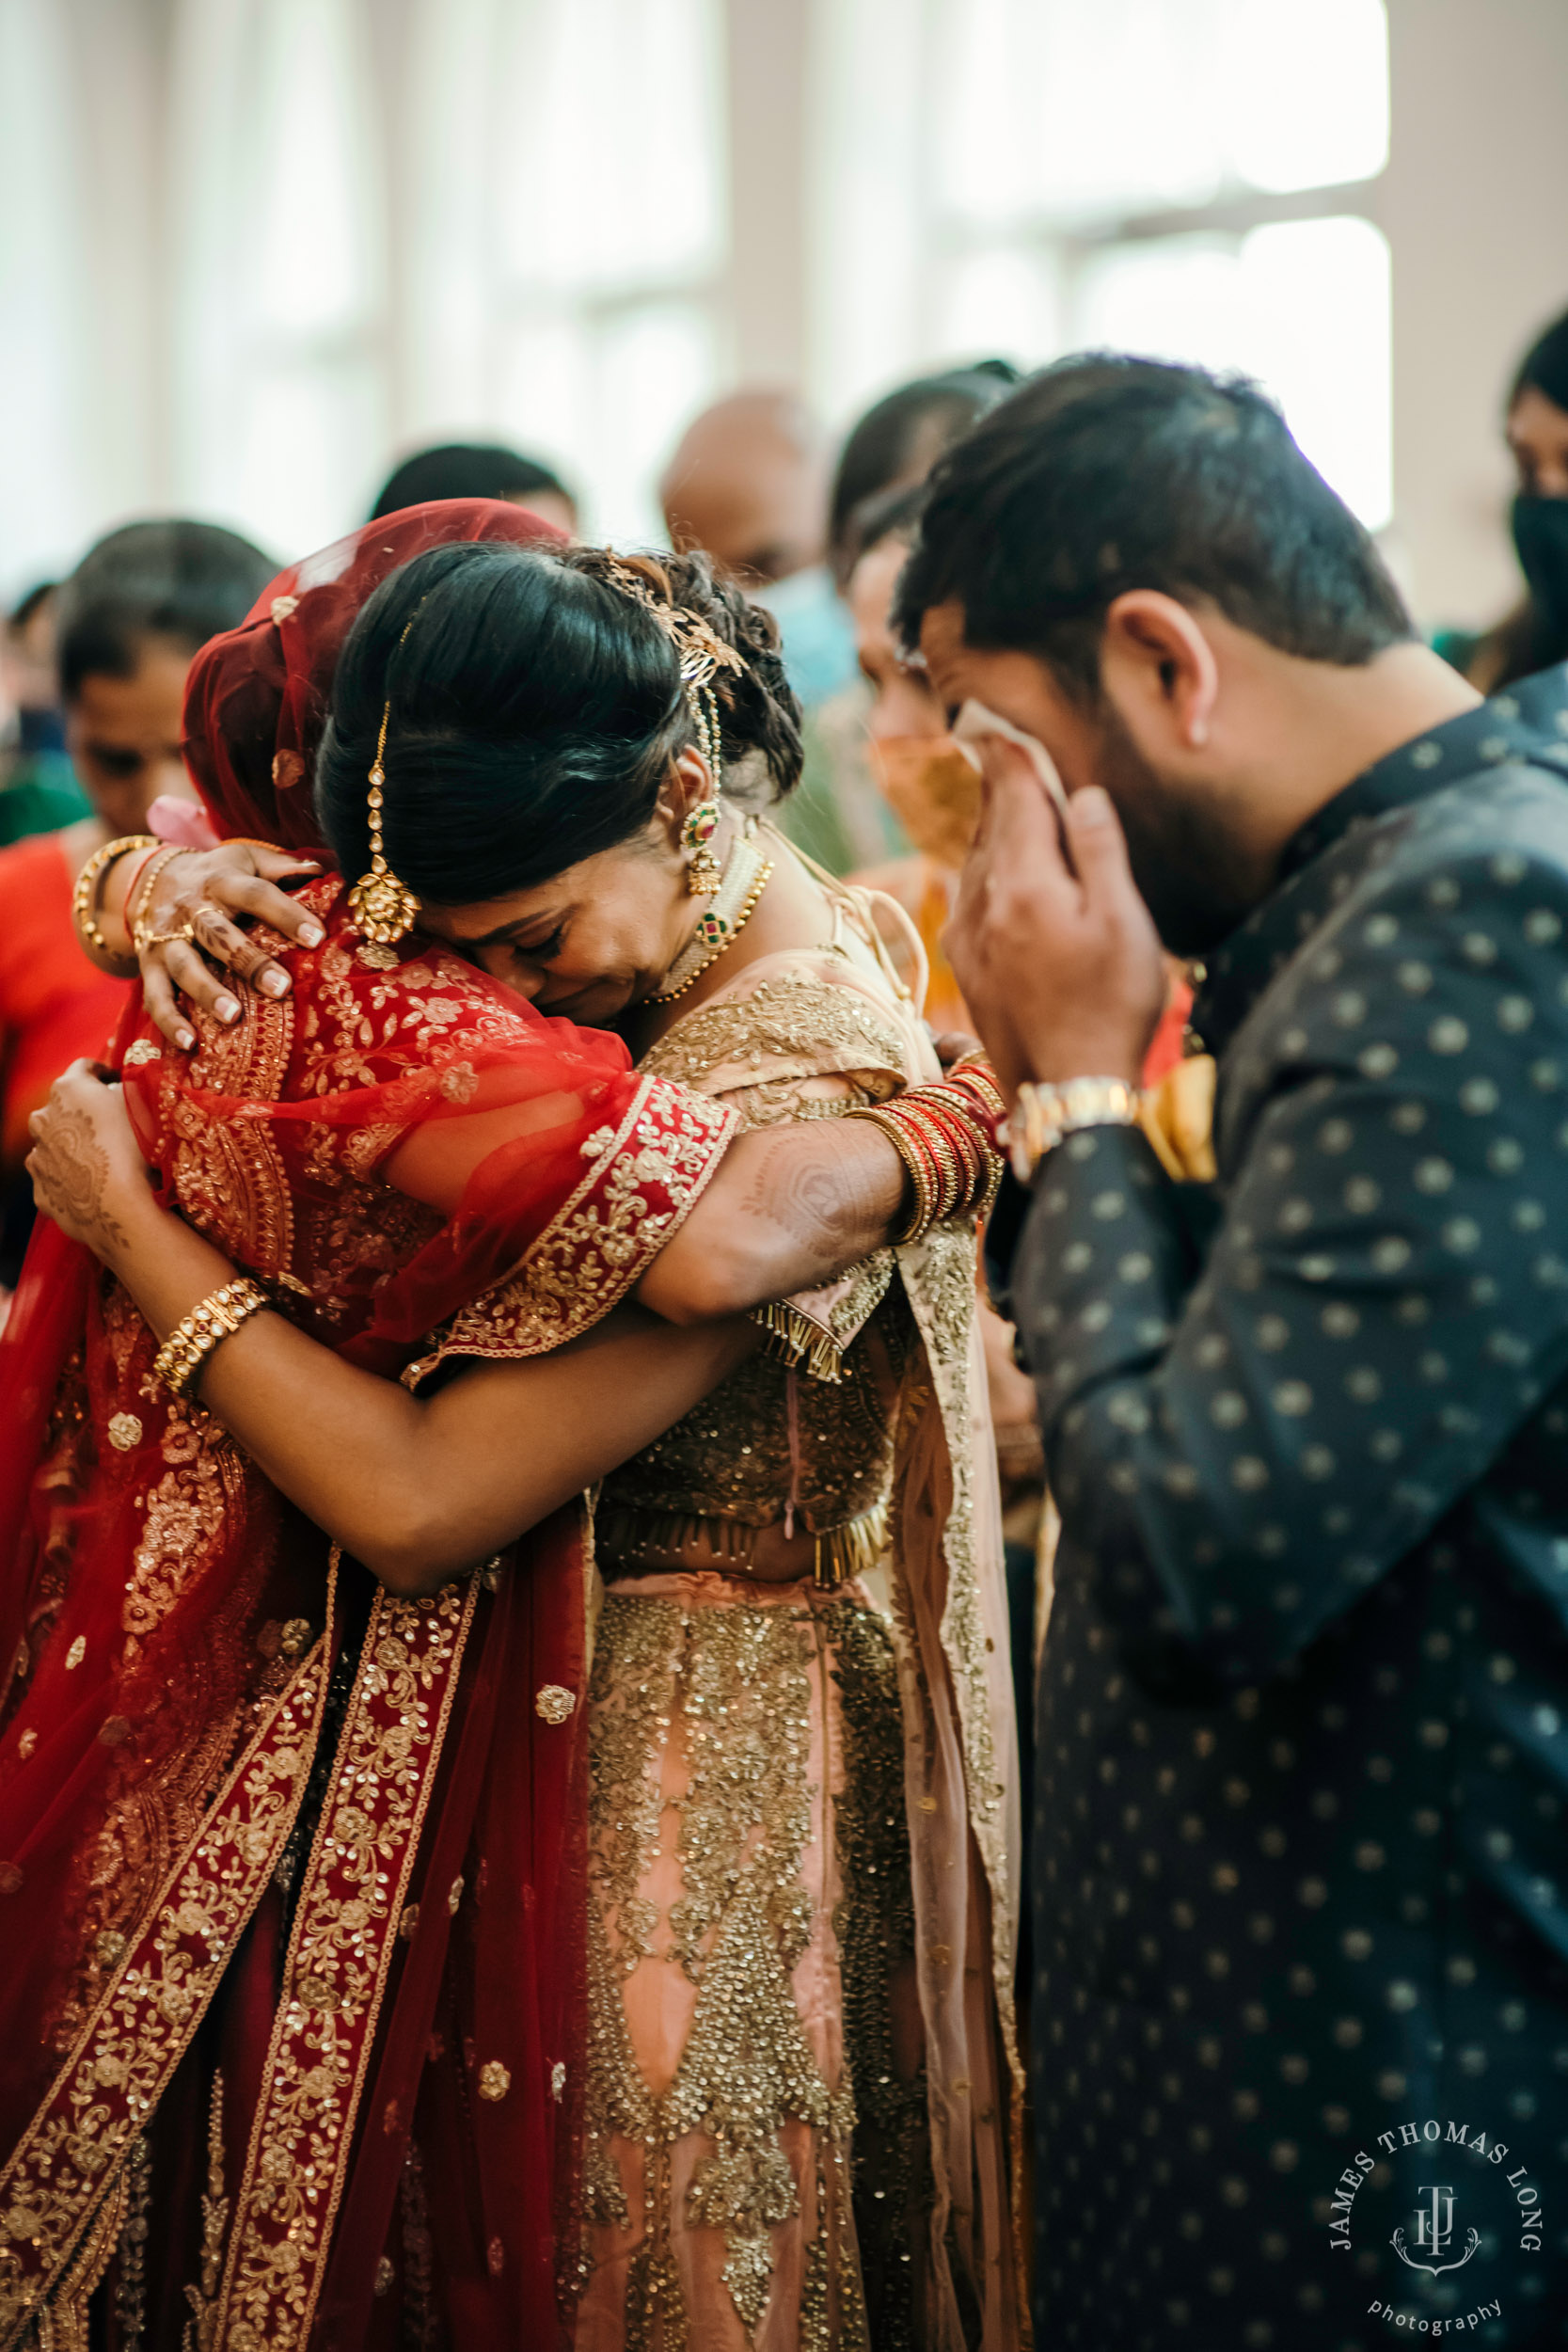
(156, 1997)
(229, 1173)
(600, 1244)
(345, 1930)
(196, 1506)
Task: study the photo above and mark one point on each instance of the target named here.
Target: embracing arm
(416, 1488)
(789, 1208)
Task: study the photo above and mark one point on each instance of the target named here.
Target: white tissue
(974, 721)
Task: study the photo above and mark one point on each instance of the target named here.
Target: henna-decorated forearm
(790, 1208)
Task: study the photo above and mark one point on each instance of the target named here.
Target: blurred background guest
(37, 785)
(748, 482)
(1535, 634)
(897, 441)
(478, 469)
(127, 621)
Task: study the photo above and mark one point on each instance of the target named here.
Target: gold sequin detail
(554, 1703)
(124, 1431)
(494, 2080)
(738, 1680)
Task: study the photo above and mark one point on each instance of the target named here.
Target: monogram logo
(1435, 2234)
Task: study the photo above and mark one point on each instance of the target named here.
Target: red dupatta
(172, 1626)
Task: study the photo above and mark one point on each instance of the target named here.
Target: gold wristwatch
(1044, 1114)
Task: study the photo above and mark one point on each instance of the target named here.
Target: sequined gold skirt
(757, 2148)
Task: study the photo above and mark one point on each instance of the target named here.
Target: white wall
(1475, 206)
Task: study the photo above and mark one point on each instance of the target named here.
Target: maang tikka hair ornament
(384, 908)
(701, 653)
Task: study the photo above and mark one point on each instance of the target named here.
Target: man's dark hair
(183, 580)
(1104, 473)
(898, 439)
(465, 469)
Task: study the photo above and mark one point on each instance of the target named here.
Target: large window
(253, 248)
(573, 234)
(1193, 179)
(279, 267)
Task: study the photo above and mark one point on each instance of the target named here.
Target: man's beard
(1182, 859)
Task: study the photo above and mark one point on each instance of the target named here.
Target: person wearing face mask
(1534, 635)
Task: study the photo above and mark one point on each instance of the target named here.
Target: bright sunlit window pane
(613, 172)
(1302, 306)
(317, 264)
(1320, 289)
(1065, 111)
(1005, 302)
(1055, 110)
(44, 513)
(1305, 91)
(656, 368)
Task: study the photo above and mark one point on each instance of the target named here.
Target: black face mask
(1540, 536)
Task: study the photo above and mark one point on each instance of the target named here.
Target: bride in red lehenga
(301, 2022)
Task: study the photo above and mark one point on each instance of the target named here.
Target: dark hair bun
(535, 709)
(759, 715)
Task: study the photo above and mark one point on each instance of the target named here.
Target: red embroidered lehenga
(291, 1872)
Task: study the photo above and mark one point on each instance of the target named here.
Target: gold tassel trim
(797, 1340)
(839, 1553)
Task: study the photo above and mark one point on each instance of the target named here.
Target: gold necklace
(744, 879)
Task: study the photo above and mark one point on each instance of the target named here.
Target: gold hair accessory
(384, 908)
(702, 653)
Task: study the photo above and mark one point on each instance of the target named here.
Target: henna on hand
(72, 1175)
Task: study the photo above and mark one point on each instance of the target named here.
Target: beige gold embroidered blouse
(804, 1034)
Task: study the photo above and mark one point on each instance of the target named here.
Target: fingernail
(226, 1008)
(1092, 805)
(185, 1039)
(274, 983)
(310, 934)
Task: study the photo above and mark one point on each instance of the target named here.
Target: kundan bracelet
(189, 1344)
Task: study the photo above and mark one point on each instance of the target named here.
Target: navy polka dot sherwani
(1300, 2025)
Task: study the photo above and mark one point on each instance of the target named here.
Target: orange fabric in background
(53, 1004)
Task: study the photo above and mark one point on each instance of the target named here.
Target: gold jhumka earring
(384, 908)
(705, 873)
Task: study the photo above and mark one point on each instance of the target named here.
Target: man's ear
(1157, 655)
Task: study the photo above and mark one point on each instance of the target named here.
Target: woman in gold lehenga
(801, 2090)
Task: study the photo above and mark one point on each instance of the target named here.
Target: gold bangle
(85, 897)
(141, 890)
(909, 1151)
(190, 1342)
